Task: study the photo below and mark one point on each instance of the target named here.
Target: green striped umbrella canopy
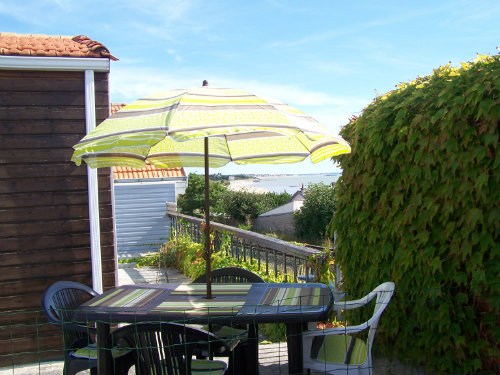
(209, 127)
(168, 128)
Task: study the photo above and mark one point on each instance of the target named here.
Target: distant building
(280, 219)
(139, 199)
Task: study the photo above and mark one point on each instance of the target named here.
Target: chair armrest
(354, 304)
(335, 331)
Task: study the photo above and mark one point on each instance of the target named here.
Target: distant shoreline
(246, 185)
(290, 183)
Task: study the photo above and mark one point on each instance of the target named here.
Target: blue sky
(327, 58)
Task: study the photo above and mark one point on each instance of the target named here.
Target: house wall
(281, 223)
(141, 219)
(44, 218)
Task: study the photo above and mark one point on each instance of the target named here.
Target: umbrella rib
(111, 135)
(112, 154)
(251, 128)
(274, 155)
(326, 143)
(165, 154)
(144, 112)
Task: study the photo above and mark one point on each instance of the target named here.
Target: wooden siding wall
(44, 219)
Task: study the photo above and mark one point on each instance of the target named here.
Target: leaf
(474, 217)
(438, 115)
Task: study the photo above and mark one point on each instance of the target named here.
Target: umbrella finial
(205, 82)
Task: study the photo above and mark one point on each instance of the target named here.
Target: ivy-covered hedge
(418, 203)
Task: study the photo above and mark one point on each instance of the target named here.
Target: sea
(292, 183)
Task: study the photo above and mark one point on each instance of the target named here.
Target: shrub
(418, 204)
(192, 202)
(319, 205)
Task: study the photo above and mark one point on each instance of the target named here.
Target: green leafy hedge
(418, 203)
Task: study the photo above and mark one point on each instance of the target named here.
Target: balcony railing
(269, 254)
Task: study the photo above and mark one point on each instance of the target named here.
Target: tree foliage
(418, 204)
(244, 206)
(319, 205)
(241, 206)
(192, 202)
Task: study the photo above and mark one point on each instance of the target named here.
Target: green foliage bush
(244, 206)
(192, 202)
(189, 259)
(240, 206)
(314, 216)
(418, 204)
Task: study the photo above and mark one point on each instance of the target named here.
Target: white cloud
(174, 55)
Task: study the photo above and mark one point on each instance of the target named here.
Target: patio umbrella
(208, 127)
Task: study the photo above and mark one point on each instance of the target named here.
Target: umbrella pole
(208, 255)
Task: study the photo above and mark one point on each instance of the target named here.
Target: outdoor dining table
(294, 304)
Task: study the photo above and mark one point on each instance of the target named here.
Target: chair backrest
(163, 348)
(383, 294)
(231, 275)
(60, 300)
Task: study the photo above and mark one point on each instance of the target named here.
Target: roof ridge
(93, 46)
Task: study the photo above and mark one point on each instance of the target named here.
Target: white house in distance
(139, 201)
(280, 219)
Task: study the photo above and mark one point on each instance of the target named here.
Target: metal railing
(268, 253)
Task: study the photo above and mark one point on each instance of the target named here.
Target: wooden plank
(37, 141)
(9, 314)
(51, 198)
(43, 127)
(65, 270)
(69, 240)
(28, 228)
(47, 213)
(44, 155)
(41, 172)
(18, 287)
(39, 328)
(17, 317)
(48, 256)
(22, 113)
(54, 99)
(54, 184)
(57, 82)
(33, 347)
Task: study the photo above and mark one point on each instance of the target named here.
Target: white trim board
(54, 63)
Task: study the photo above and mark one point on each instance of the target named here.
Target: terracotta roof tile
(12, 44)
(149, 171)
(115, 107)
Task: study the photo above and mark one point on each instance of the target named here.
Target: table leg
(253, 350)
(294, 342)
(104, 359)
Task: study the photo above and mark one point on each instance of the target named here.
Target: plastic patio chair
(59, 302)
(336, 350)
(167, 349)
(239, 355)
